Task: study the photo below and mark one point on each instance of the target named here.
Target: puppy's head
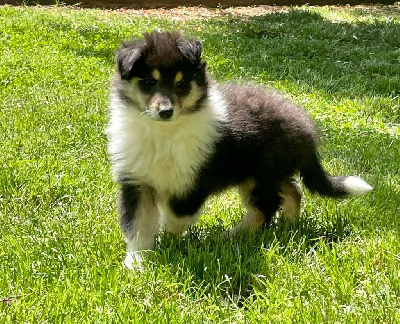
(163, 75)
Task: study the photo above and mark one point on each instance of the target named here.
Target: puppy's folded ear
(127, 56)
(191, 49)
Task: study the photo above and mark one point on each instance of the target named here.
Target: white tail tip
(356, 186)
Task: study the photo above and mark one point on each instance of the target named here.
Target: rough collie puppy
(176, 137)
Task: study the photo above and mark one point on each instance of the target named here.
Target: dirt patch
(199, 12)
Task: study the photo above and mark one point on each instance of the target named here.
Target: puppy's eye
(147, 83)
(181, 85)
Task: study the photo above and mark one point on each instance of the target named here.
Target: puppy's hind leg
(261, 202)
(138, 220)
(253, 217)
(291, 194)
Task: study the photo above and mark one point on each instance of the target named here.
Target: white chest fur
(164, 155)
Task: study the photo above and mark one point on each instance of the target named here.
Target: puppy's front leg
(138, 220)
(179, 213)
(175, 224)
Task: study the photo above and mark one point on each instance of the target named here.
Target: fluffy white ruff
(356, 186)
(163, 154)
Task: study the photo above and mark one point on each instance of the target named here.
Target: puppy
(176, 137)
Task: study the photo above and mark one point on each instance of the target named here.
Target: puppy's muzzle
(163, 106)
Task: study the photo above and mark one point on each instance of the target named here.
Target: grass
(61, 250)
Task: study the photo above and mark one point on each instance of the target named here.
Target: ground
(199, 12)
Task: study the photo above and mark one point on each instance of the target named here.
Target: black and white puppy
(176, 137)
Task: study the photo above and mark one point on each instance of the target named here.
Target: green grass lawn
(61, 249)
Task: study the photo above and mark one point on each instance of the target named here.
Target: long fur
(163, 155)
(176, 137)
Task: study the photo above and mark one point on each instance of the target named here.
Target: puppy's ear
(127, 56)
(191, 49)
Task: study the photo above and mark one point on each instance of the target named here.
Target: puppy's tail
(317, 180)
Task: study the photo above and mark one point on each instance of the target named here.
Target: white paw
(133, 260)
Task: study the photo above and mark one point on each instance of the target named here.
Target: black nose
(165, 114)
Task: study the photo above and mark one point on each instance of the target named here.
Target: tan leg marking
(254, 218)
(291, 195)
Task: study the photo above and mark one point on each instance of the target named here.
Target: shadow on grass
(229, 267)
(302, 46)
(299, 47)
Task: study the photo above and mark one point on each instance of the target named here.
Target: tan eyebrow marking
(156, 74)
(178, 77)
